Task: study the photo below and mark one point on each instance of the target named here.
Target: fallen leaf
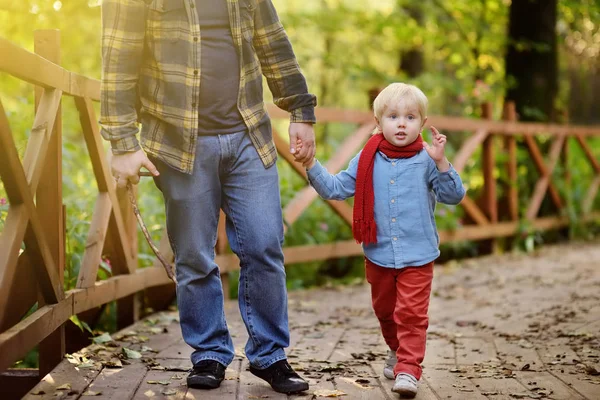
(169, 392)
(105, 337)
(328, 393)
(131, 354)
(158, 382)
(38, 392)
(91, 393)
(66, 386)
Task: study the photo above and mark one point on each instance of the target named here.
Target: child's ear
(423, 124)
(377, 126)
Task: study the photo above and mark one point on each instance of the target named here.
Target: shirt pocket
(167, 20)
(247, 9)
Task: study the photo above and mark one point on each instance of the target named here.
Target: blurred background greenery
(544, 55)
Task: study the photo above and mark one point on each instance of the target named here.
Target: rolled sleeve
(448, 186)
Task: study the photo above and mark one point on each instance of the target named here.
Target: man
(190, 71)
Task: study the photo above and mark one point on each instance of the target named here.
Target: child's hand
(308, 164)
(436, 149)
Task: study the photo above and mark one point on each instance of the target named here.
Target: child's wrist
(443, 165)
(311, 163)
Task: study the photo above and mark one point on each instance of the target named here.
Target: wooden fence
(36, 212)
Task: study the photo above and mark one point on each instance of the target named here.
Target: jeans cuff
(213, 357)
(278, 355)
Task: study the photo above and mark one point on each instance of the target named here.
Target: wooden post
(510, 146)
(490, 203)
(49, 202)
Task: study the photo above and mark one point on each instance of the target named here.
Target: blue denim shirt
(406, 191)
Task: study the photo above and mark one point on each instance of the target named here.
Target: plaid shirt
(151, 74)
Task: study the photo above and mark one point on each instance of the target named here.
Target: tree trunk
(411, 60)
(531, 60)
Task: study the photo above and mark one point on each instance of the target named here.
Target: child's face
(401, 123)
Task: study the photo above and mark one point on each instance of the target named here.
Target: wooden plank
(588, 153)
(94, 245)
(542, 184)
(325, 114)
(64, 373)
(502, 387)
(175, 387)
(538, 160)
(23, 293)
(39, 71)
(41, 134)
(512, 190)
(468, 148)
(489, 164)
(117, 287)
(10, 246)
(368, 387)
(439, 352)
(49, 196)
(118, 383)
(549, 385)
(474, 211)
(18, 340)
(588, 200)
(449, 386)
(449, 123)
(474, 350)
(16, 382)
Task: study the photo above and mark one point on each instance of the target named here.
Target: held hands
(126, 167)
(302, 142)
(436, 149)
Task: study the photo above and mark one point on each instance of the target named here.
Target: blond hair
(396, 91)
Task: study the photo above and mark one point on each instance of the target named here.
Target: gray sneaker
(405, 385)
(390, 363)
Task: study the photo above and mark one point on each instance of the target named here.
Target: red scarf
(364, 228)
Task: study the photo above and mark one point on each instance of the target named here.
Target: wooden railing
(36, 274)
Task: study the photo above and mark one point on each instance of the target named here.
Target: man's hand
(436, 149)
(303, 133)
(126, 167)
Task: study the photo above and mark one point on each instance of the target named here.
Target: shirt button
(394, 238)
(392, 181)
(393, 219)
(195, 38)
(393, 201)
(194, 105)
(393, 162)
(195, 72)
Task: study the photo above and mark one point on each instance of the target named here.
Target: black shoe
(207, 374)
(281, 377)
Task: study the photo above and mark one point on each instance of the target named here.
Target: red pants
(400, 301)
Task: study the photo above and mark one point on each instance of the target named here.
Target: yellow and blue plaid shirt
(151, 74)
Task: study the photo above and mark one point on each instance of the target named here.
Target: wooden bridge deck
(501, 328)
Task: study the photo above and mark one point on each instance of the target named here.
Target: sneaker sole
(203, 383)
(405, 393)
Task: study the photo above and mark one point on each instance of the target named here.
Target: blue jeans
(228, 174)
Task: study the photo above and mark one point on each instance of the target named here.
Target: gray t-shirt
(220, 74)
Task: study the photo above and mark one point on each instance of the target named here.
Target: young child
(396, 180)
